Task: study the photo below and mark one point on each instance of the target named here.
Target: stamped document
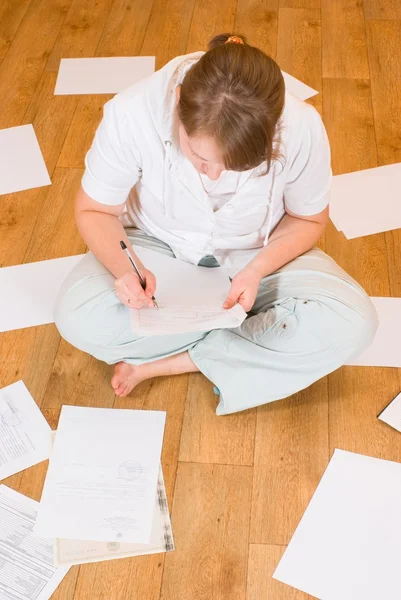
(24, 432)
(26, 561)
(102, 478)
(76, 552)
(189, 297)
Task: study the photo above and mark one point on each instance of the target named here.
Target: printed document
(26, 561)
(24, 432)
(102, 478)
(189, 297)
(76, 552)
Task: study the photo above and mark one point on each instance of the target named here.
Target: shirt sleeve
(307, 188)
(113, 162)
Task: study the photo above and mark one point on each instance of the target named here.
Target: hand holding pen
(136, 288)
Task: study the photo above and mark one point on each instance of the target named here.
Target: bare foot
(125, 378)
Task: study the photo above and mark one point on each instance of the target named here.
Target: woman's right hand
(130, 292)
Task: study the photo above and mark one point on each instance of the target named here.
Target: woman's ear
(177, 94)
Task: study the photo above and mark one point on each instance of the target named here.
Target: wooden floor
(237, 485)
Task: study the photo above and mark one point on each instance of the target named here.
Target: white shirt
(136, 159)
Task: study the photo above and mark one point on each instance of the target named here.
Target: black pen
(137, 271)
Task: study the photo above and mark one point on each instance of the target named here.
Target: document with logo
(102, 478)
(77, 552)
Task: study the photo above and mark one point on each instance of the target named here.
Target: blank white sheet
(391, 414)
(367, 202)
(298, 88)
(348, 543)
(101, 75)
(28, 292)
(21, 162)
(385, 350)
(24, 432)
(189, 297)
(102, 478)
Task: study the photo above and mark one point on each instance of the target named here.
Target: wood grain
(210, 439)
(385, 67)
(125, 29)
(11, 14)
(291, 453)
(262, 563)
(81, 31)
(167, 32)
(83, 127)
(382, 9)
(344, 52)
(208, 22)
(300, 4)
(212, 548)
(302, 58)
(257, 20)
(25, 60)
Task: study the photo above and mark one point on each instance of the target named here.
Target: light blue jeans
(309, 318)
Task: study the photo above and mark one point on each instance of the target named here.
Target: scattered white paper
(26, 566)
(385, 350)
(367, 202)
(348, 543)
(102, 477)
(102, 75)
(29, 292)
(392, 413)
(21, 165)
(297, 88)
(77, 552)
(189, 298)
(24, 432)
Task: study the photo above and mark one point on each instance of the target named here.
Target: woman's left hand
(244, 288)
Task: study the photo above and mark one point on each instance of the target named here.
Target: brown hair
(235, 94)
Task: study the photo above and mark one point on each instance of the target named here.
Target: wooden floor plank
(83, 127)
(25, 60)
(291, 453)
(344, 54)
(382, 9)
(302, 58)
(208, 22)
(385, 66)
(167, 32)
(125, 28)
(311, 4)
(11, 14)
(210, 439)
(211, 525)
(257, 20)
(55, 233)
(262, 563)
(81, 31)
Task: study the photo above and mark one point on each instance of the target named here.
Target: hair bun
(226, 38)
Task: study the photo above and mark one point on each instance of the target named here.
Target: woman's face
(202, 152)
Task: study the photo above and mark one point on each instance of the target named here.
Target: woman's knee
(88, 318)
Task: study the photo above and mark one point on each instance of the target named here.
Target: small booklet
(391, 414)
(76, 552)
(189, 297)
